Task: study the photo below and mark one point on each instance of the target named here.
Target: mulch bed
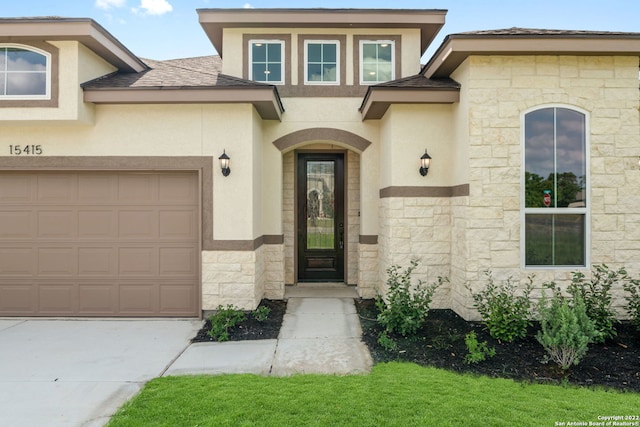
(250, 328)
(440, 343)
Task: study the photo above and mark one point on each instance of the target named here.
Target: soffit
(428, 21)
(83, 30)
(523, 41)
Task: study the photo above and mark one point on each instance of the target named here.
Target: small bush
(478, 351)
(596, 295)
(405, 306)
(505, 314)
(386, 341)
(633, 301)
(565, 329)
(223, 321)
(261, 313)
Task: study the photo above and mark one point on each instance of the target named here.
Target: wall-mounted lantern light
(224, 163)
(425, 163)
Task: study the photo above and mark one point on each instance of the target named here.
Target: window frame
(336, 43)
(48, 73)
(282, 60)
(585, 211)
(361, 44)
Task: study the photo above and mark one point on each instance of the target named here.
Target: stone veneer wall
(416, 227)
(368, 274)
(233, 277)
(288, 216)
(498, 90)
(353, 217)
(274, 271)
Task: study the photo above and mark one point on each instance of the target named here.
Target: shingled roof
(541, 32)
(184, 81)
(527, 41)
(408, 90)
(199, 72)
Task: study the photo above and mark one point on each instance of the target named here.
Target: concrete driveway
(79, 372)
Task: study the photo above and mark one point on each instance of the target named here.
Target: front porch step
(320, 290)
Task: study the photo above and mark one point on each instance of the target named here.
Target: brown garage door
(99, 244)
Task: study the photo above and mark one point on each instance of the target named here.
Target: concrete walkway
(320, 334)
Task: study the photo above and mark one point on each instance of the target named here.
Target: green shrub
(565, 329)
(478, 351)
(405, 306)
(505, 314)
(386, 341)
(596, 295)
(261, 313)
(223, 320)
(633, 301)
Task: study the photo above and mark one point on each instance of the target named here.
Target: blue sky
(165, 29)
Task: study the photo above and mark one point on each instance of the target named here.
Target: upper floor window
(266, 61)
(555, 188)
(377, 62)
(322, 62)
(24, 73)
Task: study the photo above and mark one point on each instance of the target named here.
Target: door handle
(341, 231)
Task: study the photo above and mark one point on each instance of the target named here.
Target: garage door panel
(177, 189)
(97, 224)
(98, 298)
(99, 244)
(57, 224)
(101, 261)
(17, 261)
(57, 299)
(16, 188)
(99, 189)
(177, 299)
(138, 224)
(138, 299)
(138, 261)
(137, 188)
(178, 261)
(178, 224)
(56, 188)
(57, 261)
(17, 299)
(16, 224)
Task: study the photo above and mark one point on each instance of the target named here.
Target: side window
(266, 61)
(24, 73)
(377, 62)
(555, 188)
(321, 62)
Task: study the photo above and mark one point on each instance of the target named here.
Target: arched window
(555, 179)
(24, 73)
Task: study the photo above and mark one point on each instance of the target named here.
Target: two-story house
(314, 148)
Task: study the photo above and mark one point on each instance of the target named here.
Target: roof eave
(84, 30)
(377, 100)
(428, 21)
(266, 100)
(457, 48)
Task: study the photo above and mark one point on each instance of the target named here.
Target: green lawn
(394, 394)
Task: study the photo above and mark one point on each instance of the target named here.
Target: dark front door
(320, 208)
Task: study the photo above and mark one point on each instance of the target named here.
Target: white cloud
(108, 4)
(247, 6)
(153, 7)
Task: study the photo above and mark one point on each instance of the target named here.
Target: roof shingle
(198, 72)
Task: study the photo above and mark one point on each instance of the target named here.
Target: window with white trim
(555, 188)
(25, 73)
(377, 61)
(266, 61)
(321, 62)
